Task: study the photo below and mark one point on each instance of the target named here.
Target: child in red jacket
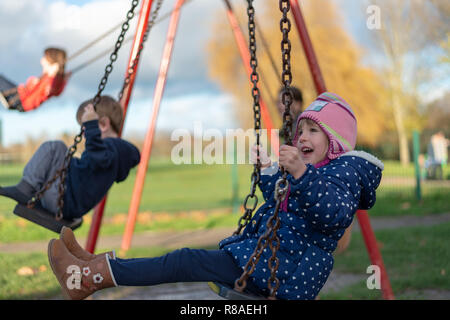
(29, 96)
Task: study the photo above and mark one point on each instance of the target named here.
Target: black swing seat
(229, 293)
(45, 219)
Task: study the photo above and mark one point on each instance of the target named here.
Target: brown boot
(78, 279)
(68, 237)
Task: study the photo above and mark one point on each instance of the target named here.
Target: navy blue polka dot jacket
(321, 205)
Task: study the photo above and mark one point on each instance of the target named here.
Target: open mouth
(306, 150)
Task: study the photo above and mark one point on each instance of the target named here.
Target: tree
(339, 58)
(408, 29)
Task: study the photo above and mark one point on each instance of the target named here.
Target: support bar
(147, 148)
(363, 217)
(245, 56)
(138, 38)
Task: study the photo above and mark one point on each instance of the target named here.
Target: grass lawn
(416, 258)
(199, 196)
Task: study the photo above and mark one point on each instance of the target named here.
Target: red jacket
(37, 90)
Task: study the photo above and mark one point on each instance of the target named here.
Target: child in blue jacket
(328, 182)
(106, 159)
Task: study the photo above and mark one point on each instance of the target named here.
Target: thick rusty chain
(132, 68)
(62, 173)
(254, 78)
(270, 238)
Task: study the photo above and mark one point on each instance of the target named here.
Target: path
(210, 237)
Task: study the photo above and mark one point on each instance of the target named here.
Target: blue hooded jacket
(103, 162)
(321, 205)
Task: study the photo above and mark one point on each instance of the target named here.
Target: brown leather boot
(78, 279)
(68, 237)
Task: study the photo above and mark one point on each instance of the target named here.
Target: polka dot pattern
(321, 205)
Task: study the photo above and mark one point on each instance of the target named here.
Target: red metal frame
(138, 38)
(363, 218)
(147, 148)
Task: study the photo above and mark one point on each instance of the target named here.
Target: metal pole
(147, 148)
(1, 134)
(245, 56)
(363, 218)
(374, 252)
(235, 180)
(308, 48)
(416, 147)
(138, 38)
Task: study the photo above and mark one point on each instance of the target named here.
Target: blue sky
(189, 96)
(28, 26)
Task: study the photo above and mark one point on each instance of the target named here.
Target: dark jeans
(42, 166)
(182, 265)
(9, 91)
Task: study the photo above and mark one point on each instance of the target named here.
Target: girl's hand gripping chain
(263, 157)
(291, 161)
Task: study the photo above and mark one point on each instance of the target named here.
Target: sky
(27, 27)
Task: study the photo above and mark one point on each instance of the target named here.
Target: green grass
(402, 201)
(416, 258)
(42, 284)
(168, 187)
(171, 189)
(199, 197)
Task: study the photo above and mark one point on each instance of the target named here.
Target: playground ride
(35, 213)
(260, 113)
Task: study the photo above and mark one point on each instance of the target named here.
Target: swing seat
(6, 84)
(45, 219)
(229, 293)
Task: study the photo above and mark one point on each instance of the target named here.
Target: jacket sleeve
(97, 155)
(327, 199)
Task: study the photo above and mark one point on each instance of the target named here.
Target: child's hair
(56, 55)
(107, 107)
(295, 92)
(307, 121)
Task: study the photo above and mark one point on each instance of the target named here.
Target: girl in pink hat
(328, 182)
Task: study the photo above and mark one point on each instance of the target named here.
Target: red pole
(245, 56)
(308, 48)
(374, 252)
(138, 38)
(147, 148)
(363, 218)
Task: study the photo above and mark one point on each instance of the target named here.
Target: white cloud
(28, 26)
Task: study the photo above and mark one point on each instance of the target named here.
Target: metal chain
(270, 238)
(286, 75)
(241, 283)
(132, 68)
(62, 173)
(254, 77)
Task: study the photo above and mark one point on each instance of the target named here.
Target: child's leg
(183, 265)
(9, 98)
(43, 165)
(14, 103)
(9, 92)
(39, 169)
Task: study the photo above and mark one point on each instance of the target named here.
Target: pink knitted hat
(337, 120)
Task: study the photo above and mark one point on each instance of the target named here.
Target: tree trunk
(401, 132)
